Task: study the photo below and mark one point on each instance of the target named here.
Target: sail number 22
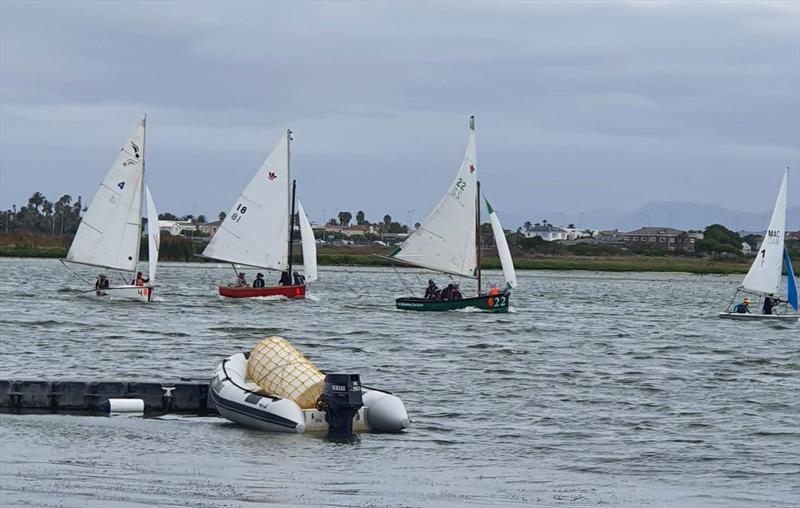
(458, 188)
(240, 211)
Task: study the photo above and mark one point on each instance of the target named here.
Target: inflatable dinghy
(335, 403)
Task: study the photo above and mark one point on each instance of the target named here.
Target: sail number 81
(458, 188)
(240, 211)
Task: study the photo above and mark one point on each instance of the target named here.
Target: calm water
(598, 389)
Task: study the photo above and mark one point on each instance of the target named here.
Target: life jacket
(494, 291)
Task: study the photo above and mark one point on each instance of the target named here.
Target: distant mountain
(685, 215)
(677, 214)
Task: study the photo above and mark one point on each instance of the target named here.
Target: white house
(175, 227)
(547, 232)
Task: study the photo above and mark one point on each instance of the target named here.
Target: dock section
(188, 396)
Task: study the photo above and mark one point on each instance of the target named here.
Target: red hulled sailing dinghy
(259, 231)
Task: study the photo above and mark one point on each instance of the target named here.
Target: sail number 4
(236, 216)
(458, 188)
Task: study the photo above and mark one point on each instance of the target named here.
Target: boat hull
(237, 399)
(489, 303)
(293, 292)
(136, 293)
(758, 317)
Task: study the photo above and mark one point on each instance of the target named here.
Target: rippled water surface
(597, 389)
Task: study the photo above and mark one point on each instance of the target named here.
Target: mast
(478, 233)
(477, 217)
(291, 206)
(142, 197)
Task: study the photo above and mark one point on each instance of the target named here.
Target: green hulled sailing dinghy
(447, 241)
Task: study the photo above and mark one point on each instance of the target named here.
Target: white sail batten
(502, 249)
(153, 237)
(110, 231)
(256, 230)
(445, 241)
(309, 245)
(765, 273)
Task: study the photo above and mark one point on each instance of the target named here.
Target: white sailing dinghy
(109, 235)
(259, 231)
(448, 241)
(764, 278)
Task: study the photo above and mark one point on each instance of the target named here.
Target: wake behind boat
(259, 232)
(448, 241)
(109, 235)
(764, 277)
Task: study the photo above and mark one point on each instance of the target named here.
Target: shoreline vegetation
(184, 250)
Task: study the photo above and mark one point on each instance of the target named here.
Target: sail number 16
(240, 211)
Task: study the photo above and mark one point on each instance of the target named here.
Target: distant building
(357, 230)
(176, 227)
(209, 228)
(547, 232)
(660, 238)
(746, 249)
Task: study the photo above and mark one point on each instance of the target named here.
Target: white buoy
(123, 406)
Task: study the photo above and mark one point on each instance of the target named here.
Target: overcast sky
(579, 105)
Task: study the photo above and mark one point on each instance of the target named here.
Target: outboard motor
(341, 400)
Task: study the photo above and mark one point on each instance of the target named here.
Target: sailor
(240, 280)
(299, 280)
(139, 280)
(446, 292)
(770, 302)
(455, 294)
(430, 292)
(101, 282)
(494, 290)
(744, 307)
(285, 279)
(259, 281)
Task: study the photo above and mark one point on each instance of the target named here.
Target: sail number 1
(236, 216)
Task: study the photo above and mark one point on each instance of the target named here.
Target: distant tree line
(42, 216)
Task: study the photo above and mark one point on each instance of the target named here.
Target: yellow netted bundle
(279, 369)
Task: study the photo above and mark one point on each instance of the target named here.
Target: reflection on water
(618, 389)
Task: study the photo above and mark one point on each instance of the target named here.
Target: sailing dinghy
(259, 230)
(109, 235)
(764, 277)
(448, 241)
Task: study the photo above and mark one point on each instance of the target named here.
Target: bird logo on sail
(135, 154)
(271, 176)
(471, 168)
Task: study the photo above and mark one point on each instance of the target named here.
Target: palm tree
(344, 218)
(527, 226)
(360, 218)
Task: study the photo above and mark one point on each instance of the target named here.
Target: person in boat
(432, 292)
(446, 292)
(101, 282)
(139, 281)
(770, 302)
(299, 280)
(455, 293)
(258, 282)
(285, 279)
(240, 280)
(494, 290)
(744, 307)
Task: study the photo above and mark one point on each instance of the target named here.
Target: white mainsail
(110, 231)
(153, 237)
(502, 248)
(765, 273)
(256, 230)
(445, 241)
(309, 245)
